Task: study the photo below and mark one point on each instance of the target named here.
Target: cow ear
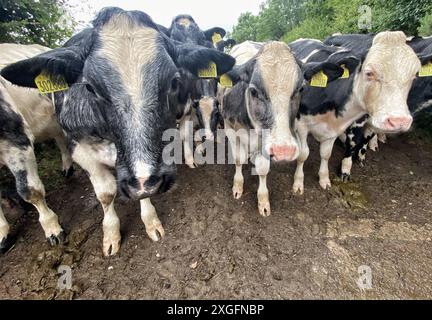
(243, 72)
(331, 70)
(425, 59)
(221, 45)
(210, 32)
(62, 62)
(194, 58)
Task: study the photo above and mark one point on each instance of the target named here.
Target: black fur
(12, 126)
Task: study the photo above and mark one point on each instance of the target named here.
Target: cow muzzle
(141, 188)
(394, 124)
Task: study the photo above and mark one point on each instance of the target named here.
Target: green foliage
(425, 28)
(290, 20)
(246, 28)
(405, 15)
(44, 22)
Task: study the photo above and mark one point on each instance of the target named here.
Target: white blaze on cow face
(274, 109)
(385, 80)
(134, 55)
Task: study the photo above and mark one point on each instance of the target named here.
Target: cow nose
(283, 153)
(142, 187)
(398, 123)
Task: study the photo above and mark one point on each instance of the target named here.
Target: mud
(216, 247)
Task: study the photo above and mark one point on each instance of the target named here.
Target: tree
(45, 22)
(246, 28)
(425, 28)
(404, 15)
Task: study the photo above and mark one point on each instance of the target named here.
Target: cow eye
(254, 92)
(175, 84)
(370, 75)
(90, 88)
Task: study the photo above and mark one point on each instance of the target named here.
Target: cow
(202, 109)
(125, 84)
(360, 135)
(373, 85)
(265, 99)
(27, 117)
(184, 29)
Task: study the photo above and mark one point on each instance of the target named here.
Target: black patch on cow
(234, 105)
(337, 93)
(12, 126)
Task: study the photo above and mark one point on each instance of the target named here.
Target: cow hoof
(298, 188)
(237, 192)
(345, 177)
(155, 231)
(5, 245)
(111, 248)
(57, 240)
(264, 209)
(192, 165)
(68, 172)
(325, 184)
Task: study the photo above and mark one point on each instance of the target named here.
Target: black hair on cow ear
(221, 45)
(331, 70)
(210, 32)
(243, 72)
(194, 58)
(63, 62)
(350, 62)
(425, 59)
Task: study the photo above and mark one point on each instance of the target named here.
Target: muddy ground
(219, 248)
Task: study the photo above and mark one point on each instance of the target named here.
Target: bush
(425, 28)
(310, 28)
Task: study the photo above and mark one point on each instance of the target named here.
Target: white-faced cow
(377, 86)
(265, 99)
(124, 93)
(27, 117)
(361, 135)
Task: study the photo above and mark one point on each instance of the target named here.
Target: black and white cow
(27, 117)
(125, 87)
(377, 85)
(184, 29)
(360, 135)
(265, 99)
(202, 109)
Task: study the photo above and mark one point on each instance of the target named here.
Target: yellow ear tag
(346, 73)
(216, 38)
(426, 70)
(209, 72)
(48, 84)
(319, 80)
(225, 81)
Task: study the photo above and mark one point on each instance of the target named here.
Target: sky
(208, 14)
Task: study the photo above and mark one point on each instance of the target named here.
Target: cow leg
(304, 155)
(4, 230)
(240, 156)
(382, 138)
(68, 169)
(262, 166)
(105, 187)
(326, 149)
(151, 221)
(22, 163)
(373, 144)
(348, 157)
(368, 137)
(187, 139)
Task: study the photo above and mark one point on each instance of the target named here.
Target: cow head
(272, 83)
(385, 80)
(206, 107)
(132, 70)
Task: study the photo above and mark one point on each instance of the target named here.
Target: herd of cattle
(130, 79)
